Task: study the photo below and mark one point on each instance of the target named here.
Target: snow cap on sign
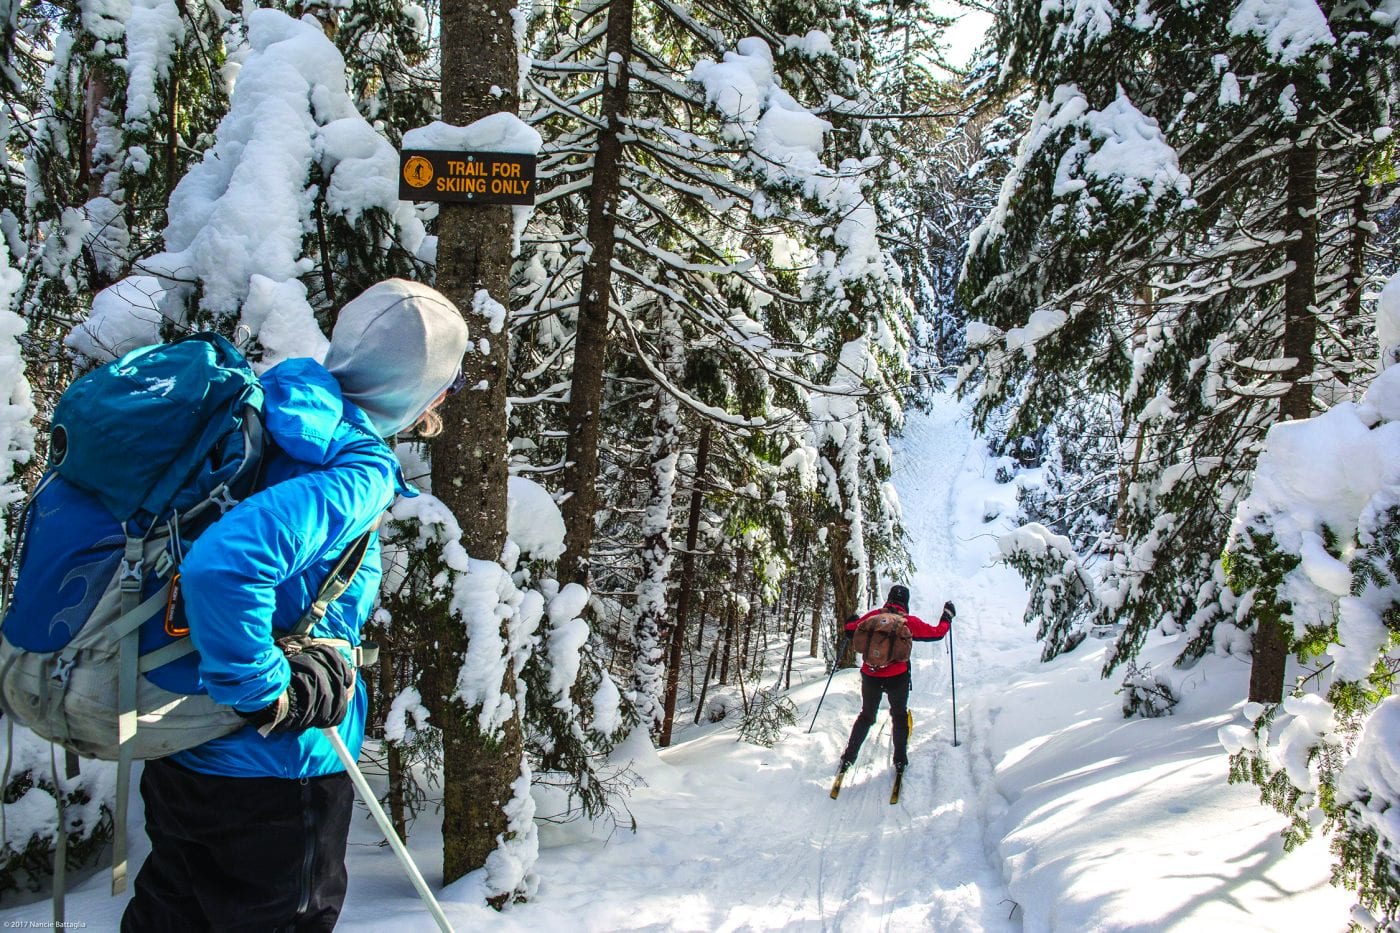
(395, 348)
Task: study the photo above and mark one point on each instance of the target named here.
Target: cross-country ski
(836, 784)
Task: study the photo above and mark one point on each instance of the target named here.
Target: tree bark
(595, 299)
(705, 684)
(394, 763)
(730, 615)
(650, 631)
(791, 650)
(1272, 639)
(692, 537)
(1361, 231)
(817, 617)
(700, 629)
(94, 96)
(479, 77)
(1300, 289)
(744, 642)
(844, 579)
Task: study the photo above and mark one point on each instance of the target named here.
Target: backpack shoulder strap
(341, 576)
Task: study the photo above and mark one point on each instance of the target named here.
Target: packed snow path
(736, 837)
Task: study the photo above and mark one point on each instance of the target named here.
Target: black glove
(317, 696)
(949, 611)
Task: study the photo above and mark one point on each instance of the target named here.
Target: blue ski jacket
(328, 477)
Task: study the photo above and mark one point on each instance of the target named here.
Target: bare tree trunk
(1271, 640)
(651, 634)
(729, 617)
(758, 620)
(692, 536)
(1360, 236)
(700, 628)
(844, 579)
(744, 657)
(394, 758)
(743, 693)
(870, 592)
(94, 96)
(791, 651)
(817, 617)
(1126, 477)
(479, 77)
(705, 685)
(595, 298)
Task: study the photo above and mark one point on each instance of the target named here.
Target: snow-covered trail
(736, 837)
(1052, 814)
(926, 863)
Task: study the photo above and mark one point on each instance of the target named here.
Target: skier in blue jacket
(248, 832)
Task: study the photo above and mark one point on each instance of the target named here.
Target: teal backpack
(145, 454)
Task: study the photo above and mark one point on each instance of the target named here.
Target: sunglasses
(459, 383)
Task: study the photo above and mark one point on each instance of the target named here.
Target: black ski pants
(240, 854)
(871, 689)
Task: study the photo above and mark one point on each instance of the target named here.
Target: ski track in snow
(927, 862)
(733, 837)
(951, 785)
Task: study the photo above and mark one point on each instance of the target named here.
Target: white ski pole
(382, 818)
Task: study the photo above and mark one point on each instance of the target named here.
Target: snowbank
(1115, 824)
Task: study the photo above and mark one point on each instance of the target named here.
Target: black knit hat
(899, 596)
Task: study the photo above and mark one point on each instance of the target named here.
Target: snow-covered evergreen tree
(292, 207)
(722, 193)
(1149, 256)
(1315, 549)
(237, 243)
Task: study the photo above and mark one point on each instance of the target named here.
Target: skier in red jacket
(893, 680)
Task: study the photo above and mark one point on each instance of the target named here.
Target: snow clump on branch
(237, 220)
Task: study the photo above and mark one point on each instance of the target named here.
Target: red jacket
(920, 629)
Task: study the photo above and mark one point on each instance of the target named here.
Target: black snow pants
(240, 854)
(871, 689)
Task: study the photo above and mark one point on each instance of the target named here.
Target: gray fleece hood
(395, 348)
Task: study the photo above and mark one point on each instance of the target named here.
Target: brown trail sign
(467, 177)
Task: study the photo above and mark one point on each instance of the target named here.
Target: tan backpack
(883, 640)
